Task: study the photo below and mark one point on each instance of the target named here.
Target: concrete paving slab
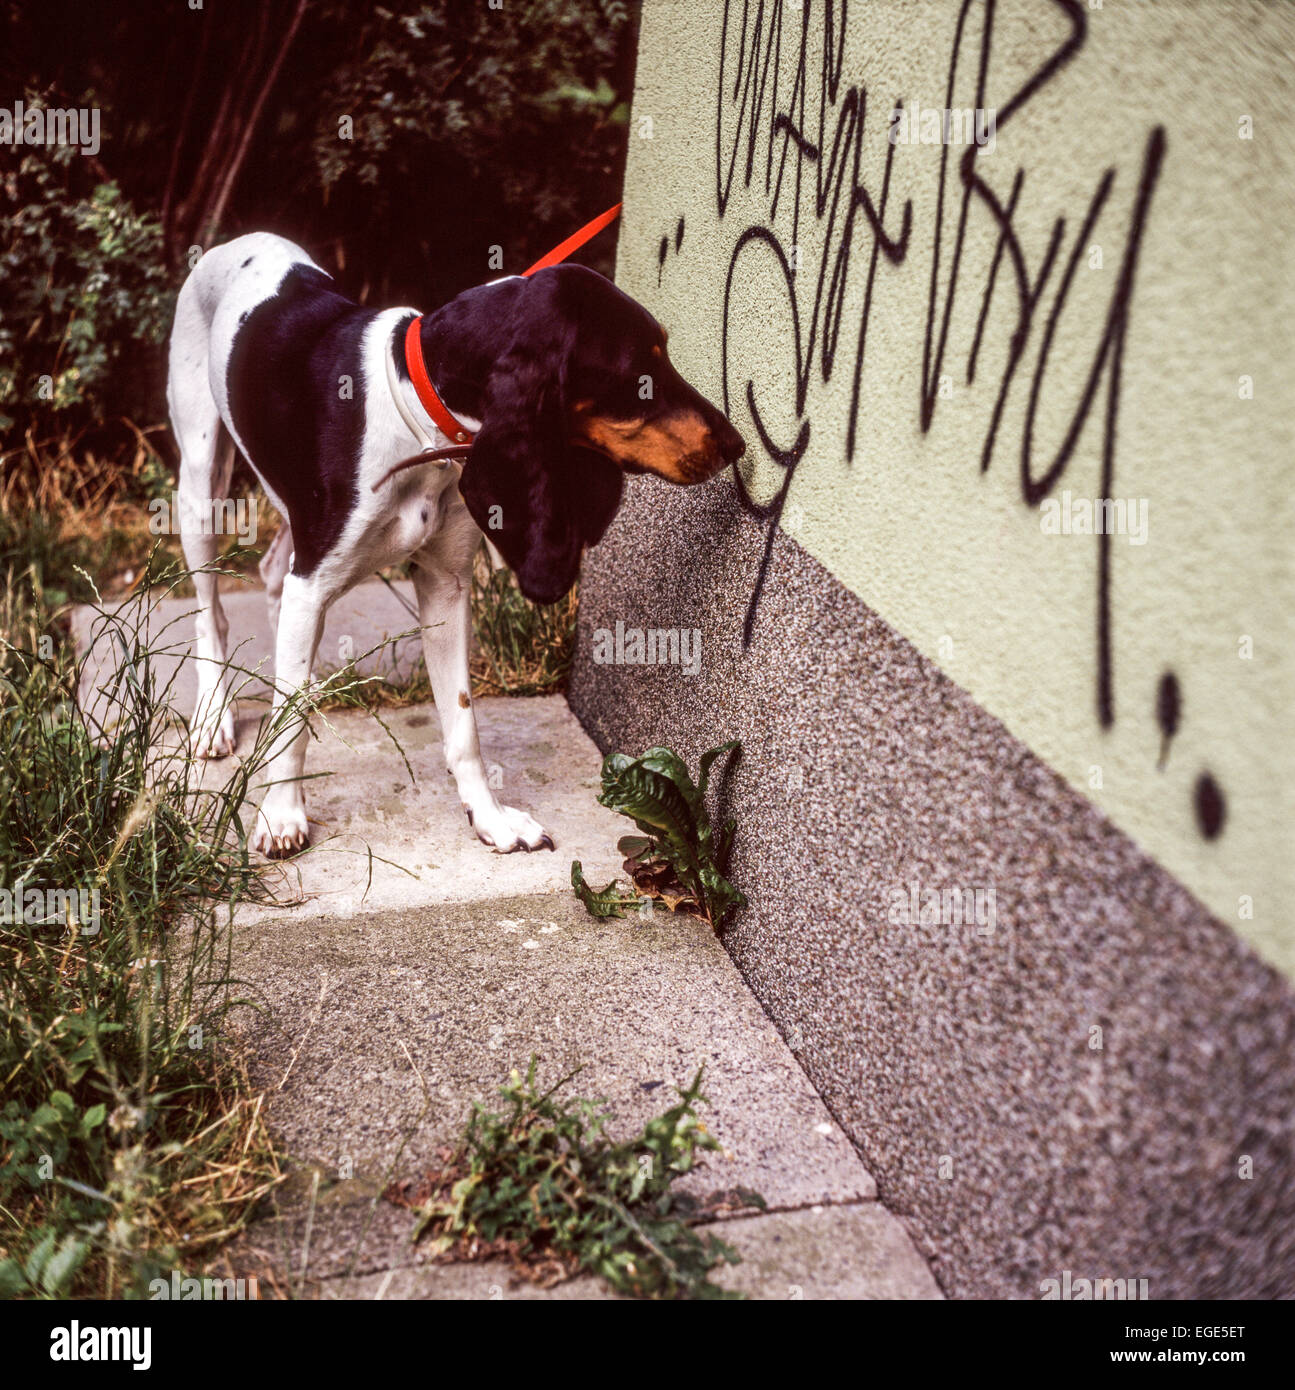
(382, 840)
(377, 1031)
(860, 1251)
(851, 1252)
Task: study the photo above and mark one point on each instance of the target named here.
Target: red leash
(574, 243)
(431, 402)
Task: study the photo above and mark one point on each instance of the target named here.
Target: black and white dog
(562, 384)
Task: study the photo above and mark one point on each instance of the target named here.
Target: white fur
(419, 515)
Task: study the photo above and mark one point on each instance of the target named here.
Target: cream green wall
(951, 556)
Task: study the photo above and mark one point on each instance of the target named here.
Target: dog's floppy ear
(538, 498)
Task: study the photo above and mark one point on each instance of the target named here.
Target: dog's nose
(731, 444)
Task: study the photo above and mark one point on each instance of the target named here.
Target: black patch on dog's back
(284, 382)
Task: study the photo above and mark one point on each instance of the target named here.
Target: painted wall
(931, 353)
(905, 435)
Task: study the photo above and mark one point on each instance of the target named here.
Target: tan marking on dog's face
(679, 447)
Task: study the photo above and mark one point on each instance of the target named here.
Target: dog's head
(580, 392)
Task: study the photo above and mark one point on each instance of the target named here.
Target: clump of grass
(521, 648)
(542, 1186)
(77, 505)
(68, 505)
(130, 1141)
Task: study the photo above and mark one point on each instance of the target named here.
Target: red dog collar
(426, 392)
(423, 388)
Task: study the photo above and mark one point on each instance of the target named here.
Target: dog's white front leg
(281, 822)
(443, 608)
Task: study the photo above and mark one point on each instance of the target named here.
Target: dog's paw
(506, 830)
(214, 738)
(280, 830)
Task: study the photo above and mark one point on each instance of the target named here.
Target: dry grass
(193, 1196)
(87, 504)
(227, 1165)
(520, 647)
(66, 504)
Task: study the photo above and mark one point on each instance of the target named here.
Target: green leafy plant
(612, 901)
(679, 860)
(50, 1268)
(542, 1186)
(84, 293)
